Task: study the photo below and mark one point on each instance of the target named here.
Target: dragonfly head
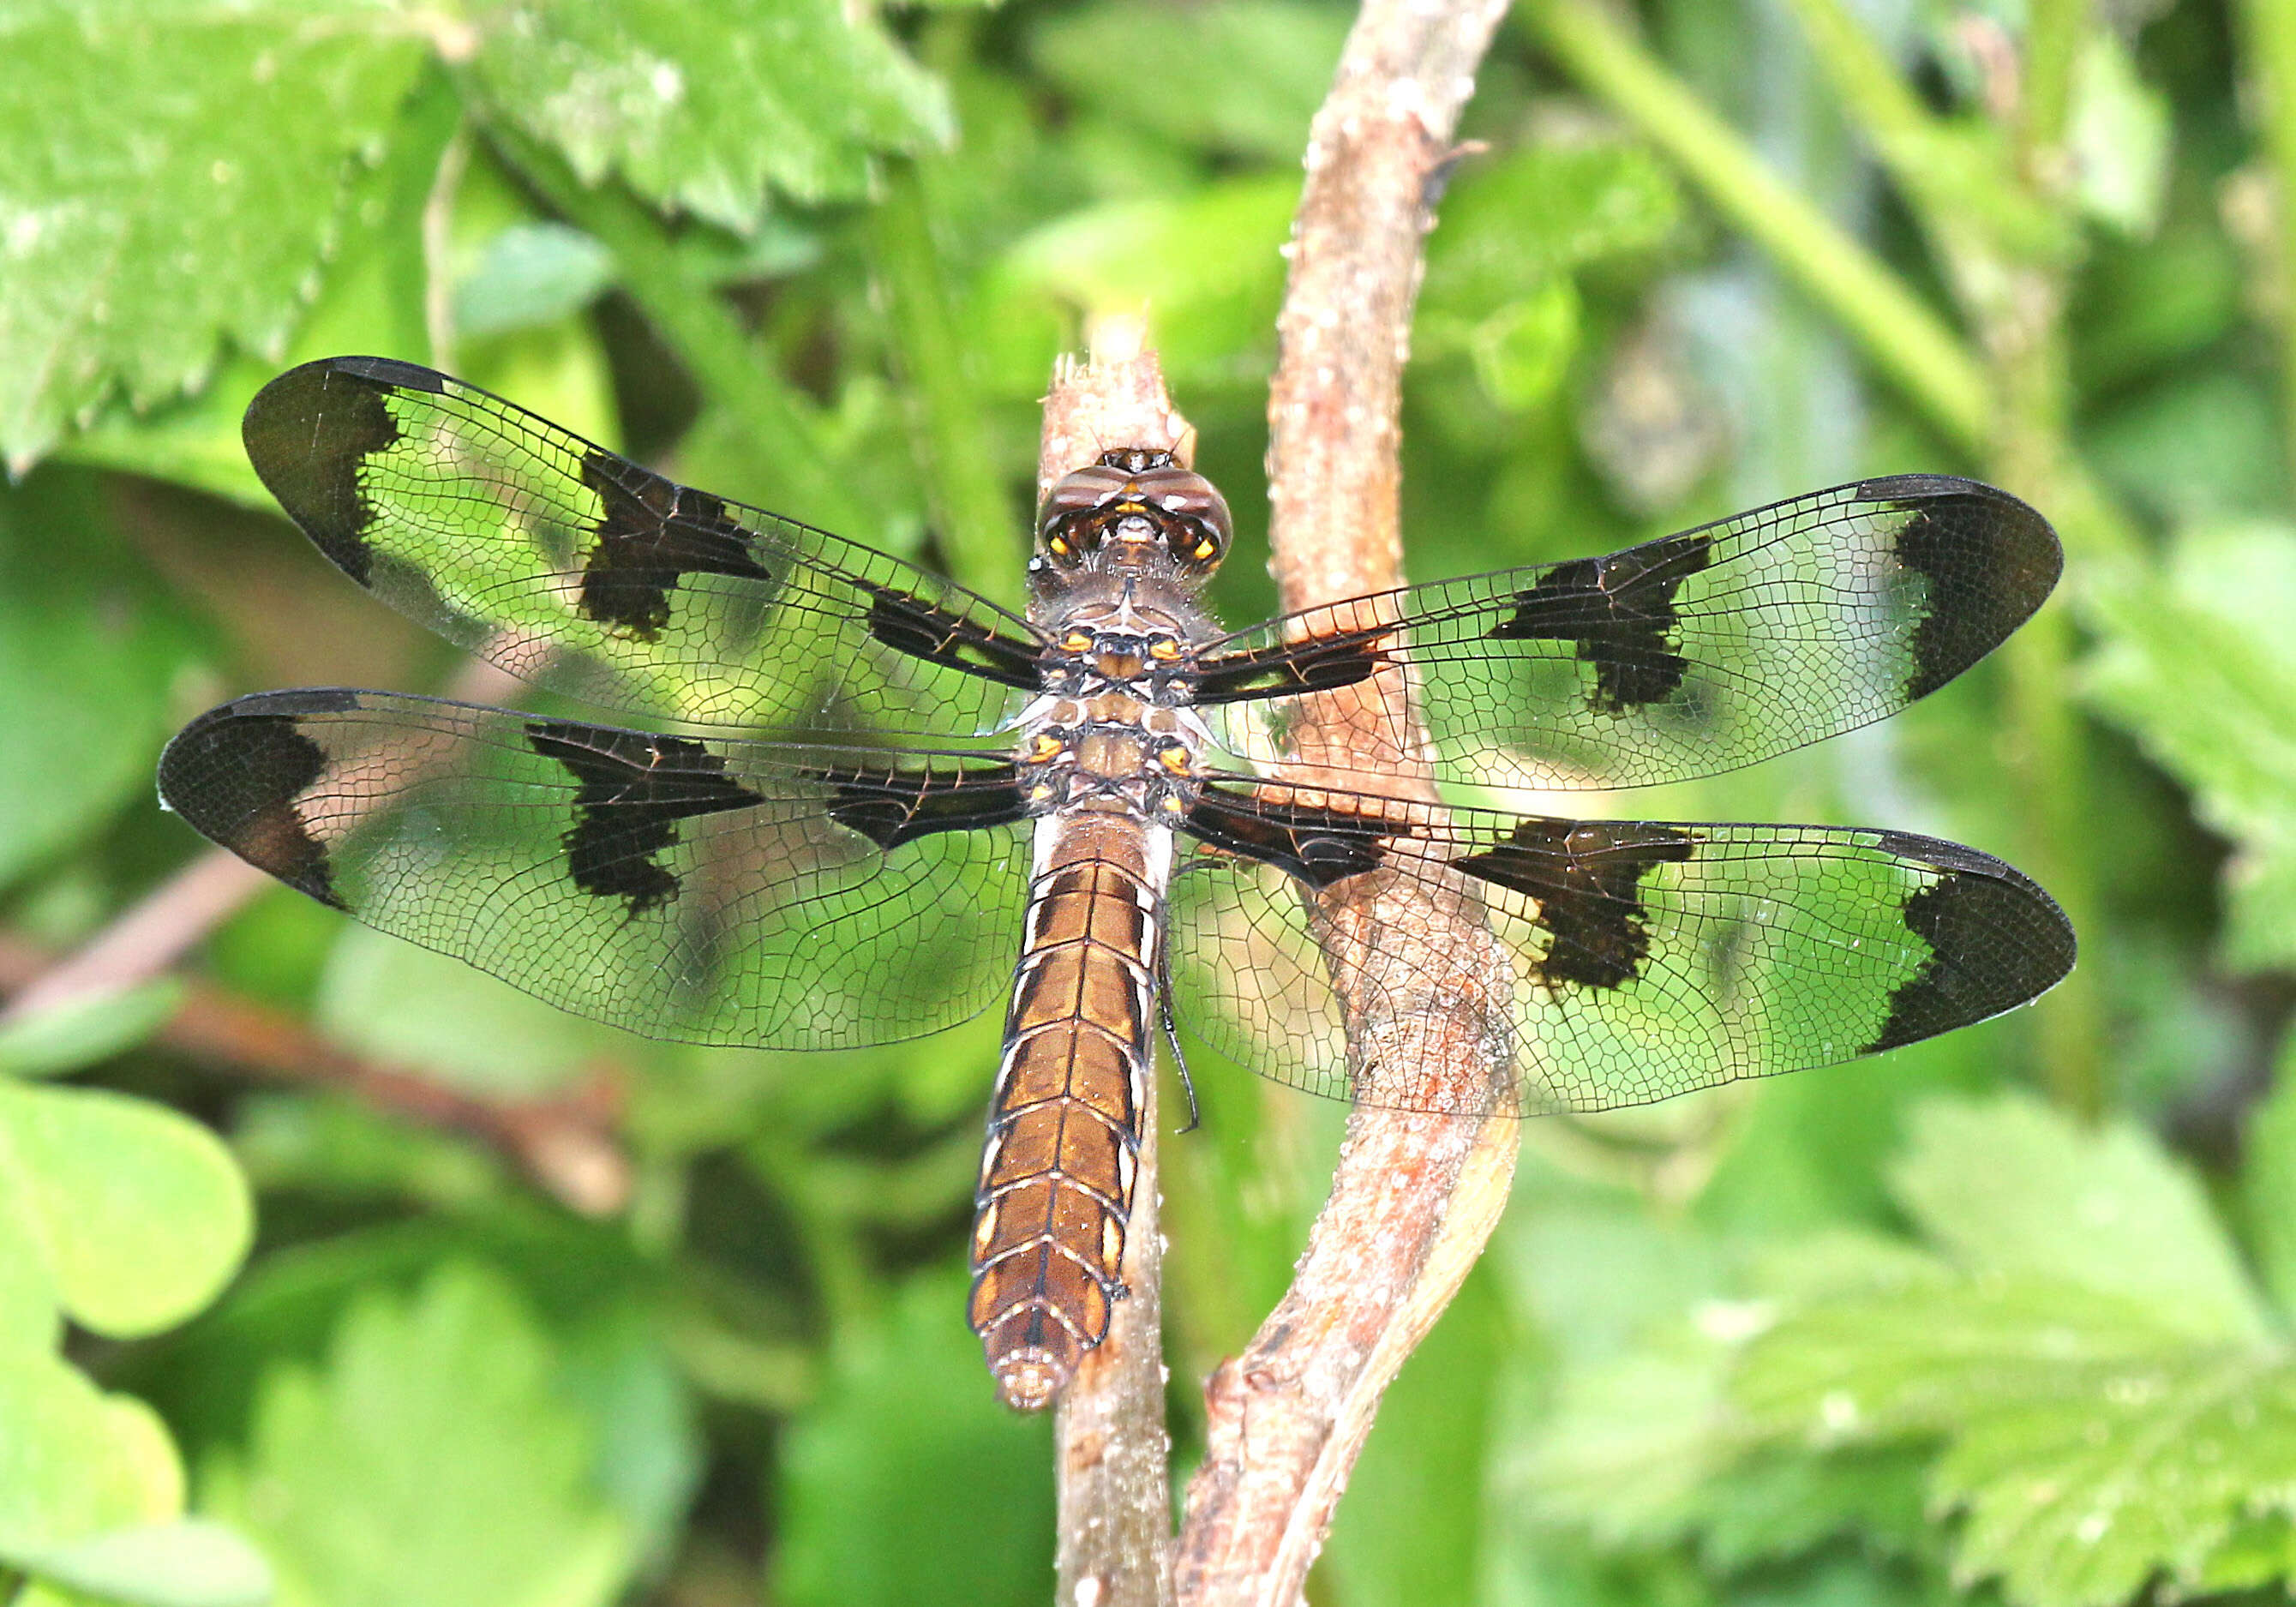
(1135, 512)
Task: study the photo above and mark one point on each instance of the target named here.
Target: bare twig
(1413, 1198)
(567, 1145)
(1115, 1501)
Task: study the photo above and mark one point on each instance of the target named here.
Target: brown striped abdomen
(1064, 1126)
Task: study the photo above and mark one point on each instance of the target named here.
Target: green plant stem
(1898, 332)
(2271, 32)
(979, 534)
(1959, 183)
(710, 341)
(2055, 32)
(2007, 409)
(1873, 94)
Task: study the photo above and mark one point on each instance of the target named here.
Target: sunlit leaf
(173, 176)
(136, 1214)
(699, 105)
(183, 1563)
(2011, 1189)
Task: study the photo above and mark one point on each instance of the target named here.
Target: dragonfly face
(880, 803)
(1136, 512)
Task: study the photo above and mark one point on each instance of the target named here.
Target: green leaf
(1215, 311)
(1631, 1446)
(1257, 69)
(173, 176)
(2197, 664)
(531, 274)
(2120, 137)
(429, 1462)
(1522, 351)
(473, 1030)
(2110, 1403)
(2012, 1188)
(85, 1030)
(1508, 226)
(2090, 1441)
(699, 104)
(2267, 1182)
(76, 1463)
(80, 632)
(1774, 1507)
(137, 1215)
(907, 1482)
(185, 1563)
(2257, 1551)
(2203, 443)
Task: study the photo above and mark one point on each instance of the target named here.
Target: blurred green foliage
(2007, 1316)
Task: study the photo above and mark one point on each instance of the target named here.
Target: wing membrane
(1687, 656)
(723, 892)
(579, 571)
(1638, 959)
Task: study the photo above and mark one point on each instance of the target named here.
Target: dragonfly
(861, 803)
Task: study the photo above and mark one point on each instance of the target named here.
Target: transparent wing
(721, 893)
(580, 571)
(1686, 656)
(1637, 959)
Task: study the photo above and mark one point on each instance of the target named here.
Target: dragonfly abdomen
(1064, 1126)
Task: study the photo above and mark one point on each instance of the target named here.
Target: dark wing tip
(385, 370)
(308, 432)
(1990, 560)
(1996, 940)
(236, 775)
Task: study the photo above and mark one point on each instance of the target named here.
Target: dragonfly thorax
(1110, 750)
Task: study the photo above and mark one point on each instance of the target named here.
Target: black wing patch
(653, 533)
(1646, 959)
(235, 773)
(1619, 614)
(582, 572)
(923, 629)
(1314, 664)
(1686, 656)
(894, 805)
(1319, 846)
(1984, 560)
(309, 434)
(635, 788)
(1966, 918)
(1585, 874)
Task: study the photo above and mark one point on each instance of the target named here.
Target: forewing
(1686, 656)
(1639, 959)
(721, 893)
(579, 571)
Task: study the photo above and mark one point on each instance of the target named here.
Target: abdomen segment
(1064, 1127)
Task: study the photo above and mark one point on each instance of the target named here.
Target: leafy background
(331, 1271)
